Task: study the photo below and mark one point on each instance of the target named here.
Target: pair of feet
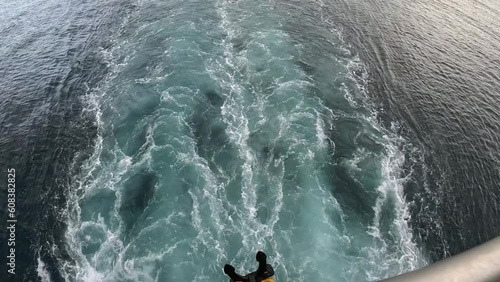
(260, 257)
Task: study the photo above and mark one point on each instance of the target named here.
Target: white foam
(42, 271)
(237, 124)
(236, 112)
(320, 133)
(94, 177)
(210, 192)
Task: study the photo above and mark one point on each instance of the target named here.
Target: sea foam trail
(222, 131)
(42, 272)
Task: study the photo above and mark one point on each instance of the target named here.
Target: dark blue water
(437, 64)
(158, 140)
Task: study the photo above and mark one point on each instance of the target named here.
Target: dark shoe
(228, 269)
(261, 256)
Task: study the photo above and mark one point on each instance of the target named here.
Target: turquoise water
(227, 127)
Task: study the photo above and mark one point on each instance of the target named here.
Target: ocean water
(158, 140)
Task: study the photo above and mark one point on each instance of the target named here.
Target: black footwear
(228, 269)
(260, 256)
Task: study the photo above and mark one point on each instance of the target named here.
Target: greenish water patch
(223, 130)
